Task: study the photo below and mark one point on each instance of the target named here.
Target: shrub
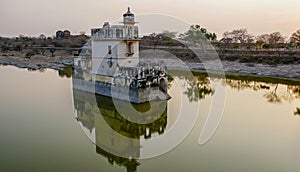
(266, 46)
(29, 54)
(4, 48)
(259, 60)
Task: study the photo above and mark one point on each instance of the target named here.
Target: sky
(35, 17)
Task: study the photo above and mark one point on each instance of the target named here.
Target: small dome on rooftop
(128, 13)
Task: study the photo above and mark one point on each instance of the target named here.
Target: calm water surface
(43, 126)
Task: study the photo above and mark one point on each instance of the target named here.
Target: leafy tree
(166, 36)
(196, 34)
(154, 40)
(169, 34)
(42, 36)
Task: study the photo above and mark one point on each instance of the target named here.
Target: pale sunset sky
(35, 17)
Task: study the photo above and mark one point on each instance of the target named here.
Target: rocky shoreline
(291, 71)
(56, 63)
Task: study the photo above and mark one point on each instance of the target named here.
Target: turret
(128, 21)
(128, 17)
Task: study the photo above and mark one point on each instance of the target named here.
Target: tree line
(237, 38)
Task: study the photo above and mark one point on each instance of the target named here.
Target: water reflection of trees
(66, 72)
(296, 91)
(242, 85)
(272, 95)
(297, 111)
(198, 87)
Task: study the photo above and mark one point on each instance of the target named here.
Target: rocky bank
(59, 63)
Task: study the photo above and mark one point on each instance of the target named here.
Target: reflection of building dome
(128, 13)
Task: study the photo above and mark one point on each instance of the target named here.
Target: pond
(45, 125)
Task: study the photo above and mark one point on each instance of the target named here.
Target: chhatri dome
(128, 17)
(128, 13)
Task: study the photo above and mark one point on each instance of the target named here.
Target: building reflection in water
(95, 113)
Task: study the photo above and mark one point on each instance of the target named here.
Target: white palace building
(112, 64)
(115, 45)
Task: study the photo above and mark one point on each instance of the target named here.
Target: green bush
(266, 46)
(259, 60)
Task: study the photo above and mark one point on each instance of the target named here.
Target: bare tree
(240, 36)
(270, 40)
(264, 38)
(295, 37)
(276, 38)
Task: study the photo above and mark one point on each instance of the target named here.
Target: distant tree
(214, 37)
(239, 36)
(226, 42)
(166, 36)
(154, 40)
(270, 40)
(196, 34)
(169, 34)
(262, 39)
(42, 36)
(295, 37)
(276, 38)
